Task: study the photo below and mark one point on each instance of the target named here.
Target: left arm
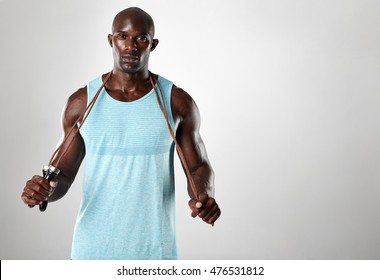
(187, 118)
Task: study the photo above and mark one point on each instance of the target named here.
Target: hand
(206, 208)
(37, 190)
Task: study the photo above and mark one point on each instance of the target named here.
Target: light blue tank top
(128, 204)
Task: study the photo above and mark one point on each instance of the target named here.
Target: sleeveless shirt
(127, 209)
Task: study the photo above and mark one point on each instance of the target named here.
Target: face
(132, 41)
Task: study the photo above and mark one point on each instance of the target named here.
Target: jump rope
(51, 171)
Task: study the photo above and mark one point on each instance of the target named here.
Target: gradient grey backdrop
(289, 93)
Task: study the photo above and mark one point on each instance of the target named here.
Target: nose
(130, 44)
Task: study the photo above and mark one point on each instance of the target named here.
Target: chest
(126, 125)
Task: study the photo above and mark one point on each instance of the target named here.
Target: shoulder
(183, 105)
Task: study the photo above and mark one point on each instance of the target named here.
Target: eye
(121, 36)
(142, 38)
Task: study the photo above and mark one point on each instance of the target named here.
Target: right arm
(38, 189)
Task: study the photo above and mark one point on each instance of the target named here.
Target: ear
(154, 44)
(110, 40)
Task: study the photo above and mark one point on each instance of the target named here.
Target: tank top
(127, 209)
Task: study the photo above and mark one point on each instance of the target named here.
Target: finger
(214, 217)
(37, 187)
(53, 184)
(32, 194)
(36, 190)
(193, 203)
(195, 207)
(200, 203)
(211, 213)
(27, 199)
(41, 181)
(207, 208)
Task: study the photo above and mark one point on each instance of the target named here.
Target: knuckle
(40, 190)
(207, 217)
(35, 178)
(211, 203)
(38, 179)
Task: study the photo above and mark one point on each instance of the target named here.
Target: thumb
(195, 206)
(53, 184)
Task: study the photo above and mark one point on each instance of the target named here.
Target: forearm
(204, 205)
(203, 177)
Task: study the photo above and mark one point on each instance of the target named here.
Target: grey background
(289, 93)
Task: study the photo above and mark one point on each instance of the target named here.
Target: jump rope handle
(49, 172)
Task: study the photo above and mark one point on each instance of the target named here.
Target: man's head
(132, 39)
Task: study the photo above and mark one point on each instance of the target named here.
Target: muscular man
(127, 207)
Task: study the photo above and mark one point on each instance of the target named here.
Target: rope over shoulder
(162, 104)
(77, 125)
(81, 119)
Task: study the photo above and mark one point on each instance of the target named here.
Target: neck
(128, 82)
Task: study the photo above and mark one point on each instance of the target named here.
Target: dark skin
(132, 41)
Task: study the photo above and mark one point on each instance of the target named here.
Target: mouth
(129, 58)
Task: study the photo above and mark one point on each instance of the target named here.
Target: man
(127, 208)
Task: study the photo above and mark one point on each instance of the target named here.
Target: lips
(129, 58)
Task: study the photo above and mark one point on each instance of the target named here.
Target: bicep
(187, 117)
(72, 150)
(188, 132)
